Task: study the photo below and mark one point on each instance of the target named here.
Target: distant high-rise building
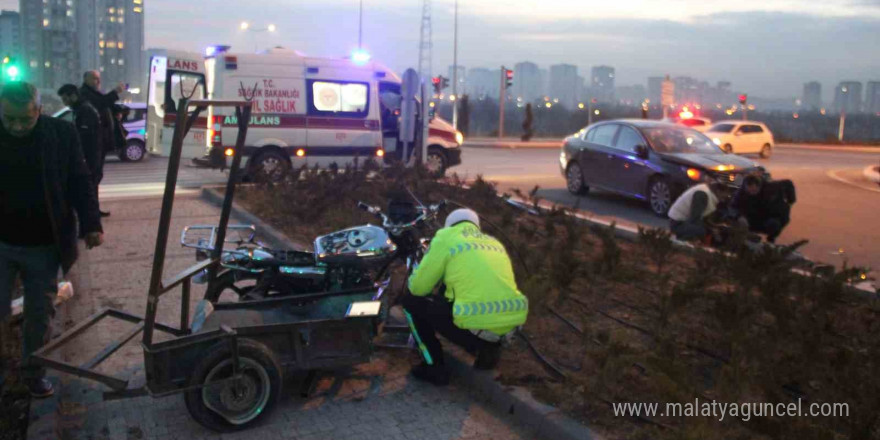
(526, 82)
(462, 79)
(655, 88)
(872, 97)
(49, 43)
(848, 97)
(812, 98)
(68, 38)
(630, 95)
(602, 83)
(563, 84)
(690, 91)
(10, 34)
(483, 83)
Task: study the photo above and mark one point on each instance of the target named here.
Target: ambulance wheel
(134, 151)
(436, 163)
(270, 165)
(234, 404)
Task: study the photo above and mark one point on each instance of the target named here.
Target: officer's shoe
(488, 357)
(435, 374)
(40, 388)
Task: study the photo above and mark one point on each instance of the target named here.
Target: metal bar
(184, 306)
(112, 348)
(111, 381)
(165, 221)
(192, 118)
(243, 116)
(70, 334)
(291, 298)
(218, 103)
(137, 319)
(186, 274)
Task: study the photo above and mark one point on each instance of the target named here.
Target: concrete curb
(274, 237)
(825, 147)
(872, 173)
(546, 421)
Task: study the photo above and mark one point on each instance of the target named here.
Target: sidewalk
(371, 401)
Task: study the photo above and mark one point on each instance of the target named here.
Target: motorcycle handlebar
(425, 213)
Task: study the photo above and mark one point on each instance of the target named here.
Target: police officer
(481, 302)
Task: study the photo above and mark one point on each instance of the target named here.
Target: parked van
(306, 110)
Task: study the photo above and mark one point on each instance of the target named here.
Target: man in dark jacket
(103, 103)
(765, 206)
(43, 179)
(88, 125)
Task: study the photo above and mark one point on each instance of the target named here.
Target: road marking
(833, 174)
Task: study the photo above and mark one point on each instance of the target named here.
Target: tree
(528, 131)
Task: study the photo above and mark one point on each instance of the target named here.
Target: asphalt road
(837, 208)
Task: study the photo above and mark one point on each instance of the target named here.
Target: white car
(741, 137)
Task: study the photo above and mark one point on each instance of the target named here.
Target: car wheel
(728, 148)
(766, 151)
(574, 179)
(133, 151)
(234, 404)
(270, 166)
(436, 163)
(660, 196)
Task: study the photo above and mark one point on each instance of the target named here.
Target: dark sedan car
(649, 160)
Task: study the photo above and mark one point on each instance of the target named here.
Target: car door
(598, 154)
(751, 138)
(629, 172)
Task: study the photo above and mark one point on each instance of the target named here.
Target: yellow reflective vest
(478, 276)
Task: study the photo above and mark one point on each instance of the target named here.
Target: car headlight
(459, 138)
(716, 141)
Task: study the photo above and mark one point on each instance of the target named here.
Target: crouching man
(481, 303)
(689, 214)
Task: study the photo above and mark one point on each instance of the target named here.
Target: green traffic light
(12, 73)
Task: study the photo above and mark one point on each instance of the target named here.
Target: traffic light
(509, 78)
(435, 81)
(11, 70)
(444, 82)
(742, 98)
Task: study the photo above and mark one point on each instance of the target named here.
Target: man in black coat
(43, 180)
(766, 206)
(88, 125)
(103, 103)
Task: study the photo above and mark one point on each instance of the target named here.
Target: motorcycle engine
(359, 246)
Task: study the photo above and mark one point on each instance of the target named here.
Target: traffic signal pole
(502, 81)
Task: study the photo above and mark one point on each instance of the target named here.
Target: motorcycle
(356, 257)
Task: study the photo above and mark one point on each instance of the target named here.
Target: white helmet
(462, 215)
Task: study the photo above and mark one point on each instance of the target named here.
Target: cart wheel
(235, 404)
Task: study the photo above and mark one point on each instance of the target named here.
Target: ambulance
(306, 110)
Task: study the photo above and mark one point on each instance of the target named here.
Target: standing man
(43, 179)
(88, 125)
(479, 306)
(91, 92)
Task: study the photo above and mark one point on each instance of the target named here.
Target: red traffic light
(435, 80)
(509, 74)
(742, 98)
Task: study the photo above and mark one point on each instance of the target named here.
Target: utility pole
(502, 81)
(455, 71)
(425, 45)
(842, 124)
(361, 25)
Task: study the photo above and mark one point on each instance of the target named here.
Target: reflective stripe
(415, 333)
(490, 307)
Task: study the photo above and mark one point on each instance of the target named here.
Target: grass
(641, 321)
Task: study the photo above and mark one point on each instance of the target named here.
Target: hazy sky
(765, 47)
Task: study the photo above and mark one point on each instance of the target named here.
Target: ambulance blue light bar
(211, 51)
(360, 57)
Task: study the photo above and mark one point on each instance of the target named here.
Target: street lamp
(245, 26)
